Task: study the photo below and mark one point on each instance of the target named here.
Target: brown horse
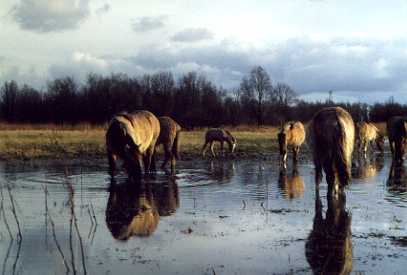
(331, 137)
(169, 138)
(221, 136)
(131, 210)
(397, 133)
(366, 133)
(292, 134)
(328, 248)
(132, 137)
(291, 186)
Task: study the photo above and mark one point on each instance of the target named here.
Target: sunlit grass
(24, 142)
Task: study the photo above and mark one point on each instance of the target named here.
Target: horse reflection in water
(221, 171)
(397, 180)
(291, 186)
(329, 246)
(134, 208)
(365, 168)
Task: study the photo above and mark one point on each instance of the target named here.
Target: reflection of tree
(134, 208)
(329, 246)
(291, 186)
(366, 168)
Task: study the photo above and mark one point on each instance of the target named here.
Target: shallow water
(213, 217)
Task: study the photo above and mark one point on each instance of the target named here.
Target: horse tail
(341, 153)
(175, 145)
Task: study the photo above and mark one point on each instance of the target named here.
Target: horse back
(142, 126)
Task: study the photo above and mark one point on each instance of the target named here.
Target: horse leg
(167, 155)
(147, 158)
(153, 160)
(221, 147)
(211, 146)
(112, 162)
(296, 150)
(204, 148)
(330, 177)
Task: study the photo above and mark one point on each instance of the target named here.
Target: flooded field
(213, 217)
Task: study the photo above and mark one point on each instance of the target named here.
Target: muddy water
(219, 217)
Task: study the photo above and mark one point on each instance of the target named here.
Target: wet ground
(213, 217)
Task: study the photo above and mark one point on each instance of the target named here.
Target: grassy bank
(25, 142)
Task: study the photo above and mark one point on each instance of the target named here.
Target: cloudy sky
(357, 49)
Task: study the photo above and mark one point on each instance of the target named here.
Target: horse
(132, 137)
(131, 210)
(169, 137)
(220, 135)
(292, 134)
(397, 134)
(331, 137)
(366, 133)
(328, 248)
(291, 186)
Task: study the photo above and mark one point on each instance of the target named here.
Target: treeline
(192, 100)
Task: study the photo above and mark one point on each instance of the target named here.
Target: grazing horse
(397, 133)
(366, 133)
(169, 138)
(331, 137)
(328, 248)
(293, 134)
(220, 135)
(131, 210)
(291, 186)
(132, 137)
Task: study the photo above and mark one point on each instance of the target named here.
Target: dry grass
(23, 142)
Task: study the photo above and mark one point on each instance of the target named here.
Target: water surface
(213, 217)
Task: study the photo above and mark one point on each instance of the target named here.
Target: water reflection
(134, 207)
(397, 180)
(291, 186)
(329, 246)
(365, 168)
(222, 171)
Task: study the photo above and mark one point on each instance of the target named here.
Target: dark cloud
(50, 15)
(367, 70)
(145, 24)
(192, 35)
(103, 9)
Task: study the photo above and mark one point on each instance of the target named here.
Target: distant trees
(192, 99)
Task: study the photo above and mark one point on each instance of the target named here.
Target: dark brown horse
(397, 133)
(328, 248)
(132, 137)
(291, 134)
(169, 137)
(221, 136)
(331, 136)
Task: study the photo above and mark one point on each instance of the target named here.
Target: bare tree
(256, 87)
(283, 95)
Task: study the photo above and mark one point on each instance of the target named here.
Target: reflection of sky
(352, 48)
(232, 231)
